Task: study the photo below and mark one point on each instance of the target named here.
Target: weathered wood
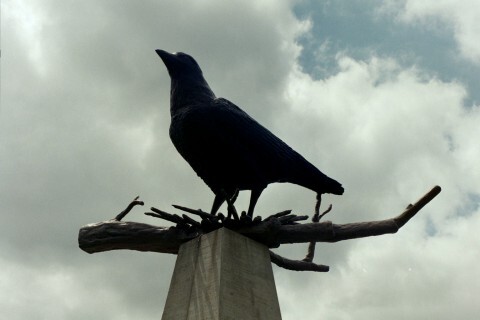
(135, 202)
(297, 265)
(412, 210)
(329, 232)
(315, 219)
(114, 235)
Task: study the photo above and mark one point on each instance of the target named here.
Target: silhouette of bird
(227, 148)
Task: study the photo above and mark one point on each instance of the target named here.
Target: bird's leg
(231, 209)
(253, 201)
(235, 196)
(217, 202)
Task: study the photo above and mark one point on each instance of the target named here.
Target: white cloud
(89, 130)
(29, 19)
(459, 16)
(389, 134)
(404, 276)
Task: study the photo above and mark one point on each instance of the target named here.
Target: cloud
(458, 16)
(388, 134)
(84, 129)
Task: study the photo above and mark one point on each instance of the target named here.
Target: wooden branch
(135, 202)
(202, 214)
(315, 219)
(329, 232)
(113, 235)
(412, 210)
(297, 265)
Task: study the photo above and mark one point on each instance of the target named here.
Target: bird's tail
(331, 186)
(325, 184)
(310, 177)
(320, 183)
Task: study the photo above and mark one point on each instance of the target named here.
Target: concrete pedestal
(222, 275)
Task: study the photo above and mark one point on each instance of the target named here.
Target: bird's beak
(167, 57)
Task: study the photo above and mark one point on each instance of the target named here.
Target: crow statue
(226, 147)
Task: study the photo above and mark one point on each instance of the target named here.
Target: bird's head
(180, 64)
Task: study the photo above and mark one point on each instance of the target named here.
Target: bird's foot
(286, 217)
(244, 217)
(210, 222)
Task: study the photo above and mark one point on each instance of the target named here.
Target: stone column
(222, 275)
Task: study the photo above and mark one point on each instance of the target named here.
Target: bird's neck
(189, 92)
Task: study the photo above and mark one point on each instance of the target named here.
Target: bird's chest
(187, 136)
(179, 136)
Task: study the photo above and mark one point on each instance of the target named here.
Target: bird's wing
(272, 158)
(270, 154)
(229, 149)
(232, 140)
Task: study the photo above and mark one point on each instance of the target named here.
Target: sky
(383, 96)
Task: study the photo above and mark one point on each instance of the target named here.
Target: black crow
(226, 147)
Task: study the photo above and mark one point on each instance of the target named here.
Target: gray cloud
(84, 128)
